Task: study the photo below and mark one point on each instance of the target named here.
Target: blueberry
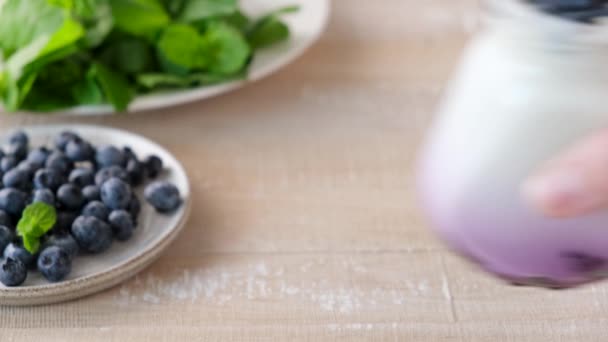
(583, 262)
(122, 224)
(134, 207)
(109, 172)
(54, 263)
(63, 241)
(579, 10)
(38, 156)
(70, 196)
(48, 179)
(87, 165)
(16, 178)
(153, 165)
(8, 162)
(2, 154)
(568, 5)
(109, 155)
(96, 209)
(115, 193)
(5, 219)
(18, 252)
(16, 150)
(28, 168)
(79, 150)
(92, 234)
(91, 193)
(6, 236)
(64, 221)
(135, 170)
(12, 201)
(82, 177)
(59, 162)
(129, 154)
(18, 138)
(44, 196)
(64, 138)
(163, 196)
(12, 272)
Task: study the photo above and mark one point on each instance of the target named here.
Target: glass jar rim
(529, 19)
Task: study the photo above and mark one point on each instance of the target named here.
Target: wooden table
(305, 226)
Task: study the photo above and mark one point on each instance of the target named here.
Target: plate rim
(114, 274)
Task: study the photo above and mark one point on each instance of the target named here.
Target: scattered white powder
(261, 269)
(257, 281)
(445, 288)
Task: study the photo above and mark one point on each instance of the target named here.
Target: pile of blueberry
(585, 11)
(91, 189)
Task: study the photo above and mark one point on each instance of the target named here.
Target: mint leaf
(237, 20)
(156, 80)
(269, 29)
(194, 10)
(268, 32)
(122, 48)
(96, 17)
(32, 33)
(174, 7)
(128, 54)
(31, 243)
(115, 86)
(143, 18)
(87, 91)
(227, 48)
(37, 219)
(23, 22)
(182, 46)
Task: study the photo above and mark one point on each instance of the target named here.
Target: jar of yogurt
(529, 85)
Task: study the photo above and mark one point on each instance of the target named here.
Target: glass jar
(529, 85)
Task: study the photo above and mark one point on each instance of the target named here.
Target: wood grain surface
(305, 225)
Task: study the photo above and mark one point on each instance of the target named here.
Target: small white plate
(93, 273)
(306, 27)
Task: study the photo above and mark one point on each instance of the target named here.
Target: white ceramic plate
(306, 27)
(93, 273)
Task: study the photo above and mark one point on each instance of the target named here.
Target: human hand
(574, 183)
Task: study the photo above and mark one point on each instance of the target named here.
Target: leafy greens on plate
(56, 54)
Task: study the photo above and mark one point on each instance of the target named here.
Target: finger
(575, 183)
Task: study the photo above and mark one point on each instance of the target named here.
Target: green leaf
(37, 219)
(50, 33)
(143, 18)
(96, 17)
(174, 7)
(238, 20)
(128, 54)
(67, 34)
(269, 29)
(115, 86)
(31, 243)
(268, 32)
(67, 4)
(87, 92)
(182, 46)
(23, 22)
(157, 80)
(194, 10)
(228, 50)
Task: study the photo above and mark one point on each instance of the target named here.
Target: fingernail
(563, 192)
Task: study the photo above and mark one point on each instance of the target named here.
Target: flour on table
(258, 281)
